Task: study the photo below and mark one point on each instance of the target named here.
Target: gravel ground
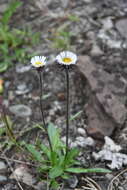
(99, 32)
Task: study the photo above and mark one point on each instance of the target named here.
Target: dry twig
(110, 186)
(91, 184)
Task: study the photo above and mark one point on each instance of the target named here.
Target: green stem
(41, 108)
(67, 110)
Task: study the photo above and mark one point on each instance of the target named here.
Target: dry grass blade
(18, 183)
(110, 186)
(91, 184)
(18, 161)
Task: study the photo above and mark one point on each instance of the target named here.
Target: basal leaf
(37, 155)
(45, 150)
(89, 170)
(54, 136)
(73, 117)
(70, 159)
(55, 172)
(10, 10)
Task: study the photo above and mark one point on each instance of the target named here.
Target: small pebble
(83, 142)
(3, 179)
(89, 141)
(41, 186)
(72, 181)
(22, 69)
(64, 139)
(96, 51)
(22, 89)
(81, 131)
(109, 176)
(3, 167)
(20, 110)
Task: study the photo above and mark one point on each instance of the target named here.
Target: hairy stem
(67, 109)
(41, 107)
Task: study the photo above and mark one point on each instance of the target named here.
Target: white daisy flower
(66, 58)
(38, 61)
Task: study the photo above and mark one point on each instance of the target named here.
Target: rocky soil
(98, 86)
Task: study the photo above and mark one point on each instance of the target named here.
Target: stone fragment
(3, 179)
(121, 26)
(81, 131)
(110, 145)
(96, 51)
(88, 1)
(110, 152)
(72, 181)
(22, 69)
(3, 167)
(41, 185)
(22, 174)
(20, 110)
(110, 40)
(105, 110)
(107, 23)
(22, 89)
(84, 142)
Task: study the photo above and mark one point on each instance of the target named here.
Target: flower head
(66, 58)
(38, 61)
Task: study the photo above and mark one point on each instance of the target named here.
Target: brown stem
(67, 109)
(41, 108)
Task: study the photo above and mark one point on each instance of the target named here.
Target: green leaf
(10, 11)
(89, 170)
(65, 176)
(54, 136)
(2, 130)
(55, 172)
(43, 168)
(70, 159)
(74, 18)
(53, 158)
(3, 66)
(37, 155)
(45, 96)
(75, 115)
(45, 150)
(54, 184)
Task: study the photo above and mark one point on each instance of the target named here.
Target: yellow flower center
(67, 59)
(39, 63)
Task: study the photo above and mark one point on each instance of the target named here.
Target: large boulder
(105, 108)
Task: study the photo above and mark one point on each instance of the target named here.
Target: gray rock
(96, 51)
(20, 110)
(41, 186)
(80, 141)
(72, 181)
(121, 26)
(89, 141)
(110, 152)
(3, 167)
(22, 69)
(105, 110)
(110, 145)
(81, 131)
(3, 7)
(107, 23)
(83, 142)
(64, 139)
(3, 179)
(22, 89)
(110, 39)
(109, 176)
(88, 1)
(65, 3)
(22, 174)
